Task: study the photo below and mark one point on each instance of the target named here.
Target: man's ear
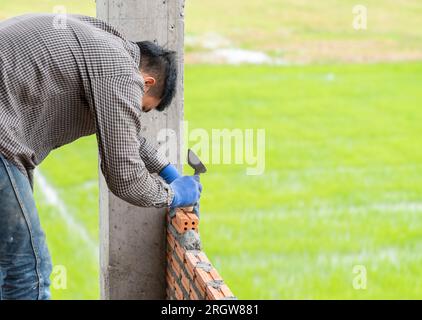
(149, 82)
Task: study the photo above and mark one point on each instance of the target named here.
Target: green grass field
(343, 179)
(342, 185)
(295, 30)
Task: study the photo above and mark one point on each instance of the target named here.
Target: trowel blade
(196, 163)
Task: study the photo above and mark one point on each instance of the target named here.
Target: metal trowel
(198, 166)
(195, 163)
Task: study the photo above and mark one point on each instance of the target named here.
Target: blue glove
(187, 191)
(169, 173)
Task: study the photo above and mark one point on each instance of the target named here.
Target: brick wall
(190, 275)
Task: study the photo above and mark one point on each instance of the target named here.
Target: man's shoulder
(96, 46)
(105, 47)
(92, 22)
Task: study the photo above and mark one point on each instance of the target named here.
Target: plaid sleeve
(153, 159)
(116, 106)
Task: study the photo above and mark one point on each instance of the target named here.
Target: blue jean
(25, 263)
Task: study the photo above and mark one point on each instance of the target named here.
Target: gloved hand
(187, 191)
(169, 173)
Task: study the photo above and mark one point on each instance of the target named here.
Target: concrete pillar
(132, 239)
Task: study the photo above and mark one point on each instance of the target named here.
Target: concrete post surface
(132, 239)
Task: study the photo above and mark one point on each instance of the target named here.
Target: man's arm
(115, 103)
(154, 160)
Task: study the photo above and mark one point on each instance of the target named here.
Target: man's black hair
(161, 64)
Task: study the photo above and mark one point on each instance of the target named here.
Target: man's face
(149, 103)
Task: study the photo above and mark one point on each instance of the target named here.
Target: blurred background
(342, 187)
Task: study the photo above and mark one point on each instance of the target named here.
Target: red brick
(201, 290)
(187, 209)
(178, 292)
(226, 291)
(202, 257)
(179, 229)
(169, 256)
(180, 253)
(183, 222)
(169, 278)
(202, 278)
(171, 241)
(194, 220)
(176, 267)
(191, 261)
(193, 295)
(190, 272)
(181, 218)
(215, 275)
(185, 282)
(213, 294)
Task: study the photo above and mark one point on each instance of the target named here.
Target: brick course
(190, 275)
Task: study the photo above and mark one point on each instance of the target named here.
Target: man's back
(46, 71)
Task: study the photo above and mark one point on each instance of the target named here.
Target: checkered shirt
(64, 77)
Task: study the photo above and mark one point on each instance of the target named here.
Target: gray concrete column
(132, 239)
